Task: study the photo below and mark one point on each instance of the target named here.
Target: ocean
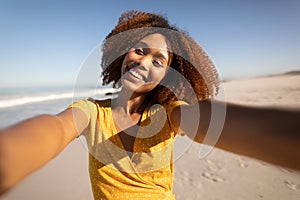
(17, 104)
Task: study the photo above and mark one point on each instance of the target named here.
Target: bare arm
(268, 134)
(30, 144)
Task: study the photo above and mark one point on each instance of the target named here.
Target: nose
(145, 61)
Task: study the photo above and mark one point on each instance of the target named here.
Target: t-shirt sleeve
(90, 110)
(169, 108)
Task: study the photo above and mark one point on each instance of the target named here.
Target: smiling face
(146, 64)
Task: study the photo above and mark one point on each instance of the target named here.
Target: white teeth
(135, 74)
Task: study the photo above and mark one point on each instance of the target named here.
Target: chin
(137, 88)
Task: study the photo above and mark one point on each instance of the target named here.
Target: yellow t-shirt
(149, 172)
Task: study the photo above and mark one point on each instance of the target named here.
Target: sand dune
(220, 175)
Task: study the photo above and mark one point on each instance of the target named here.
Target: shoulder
(91, 106)
(101, 103)
(171, 105)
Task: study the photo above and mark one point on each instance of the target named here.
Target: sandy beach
(220, 175)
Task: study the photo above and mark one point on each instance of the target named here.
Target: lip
(135, 70)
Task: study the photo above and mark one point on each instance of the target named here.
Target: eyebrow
(161, 56)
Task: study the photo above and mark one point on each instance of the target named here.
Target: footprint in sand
(197, 185)
(212, 177)
(184, 176)
(186, 179)
(243, 163)
(213, 166)
(293, 186)
(286, 170)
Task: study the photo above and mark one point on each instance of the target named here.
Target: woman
(166, 78)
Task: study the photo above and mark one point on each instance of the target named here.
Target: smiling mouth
(135, 74)
(131, 70)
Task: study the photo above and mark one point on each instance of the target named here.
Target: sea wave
(36, 98)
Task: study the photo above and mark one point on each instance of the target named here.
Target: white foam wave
(55, 96)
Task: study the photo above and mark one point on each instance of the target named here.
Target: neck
(130, 102)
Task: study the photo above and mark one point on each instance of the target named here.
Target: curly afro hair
(198, 78)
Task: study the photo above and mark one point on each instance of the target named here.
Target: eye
(157, 63)
(139, 51)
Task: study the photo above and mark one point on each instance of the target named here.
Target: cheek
(128, 57)
(125, 60)
(158, 75)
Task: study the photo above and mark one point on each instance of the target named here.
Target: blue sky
(46, 42)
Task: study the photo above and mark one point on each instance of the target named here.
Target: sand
(220, 175)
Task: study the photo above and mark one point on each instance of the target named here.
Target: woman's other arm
(269, 134)
(30, 144)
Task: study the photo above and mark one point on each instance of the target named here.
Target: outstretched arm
(30, 144)
(268, 134)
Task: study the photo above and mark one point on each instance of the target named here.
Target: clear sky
(44, 42)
